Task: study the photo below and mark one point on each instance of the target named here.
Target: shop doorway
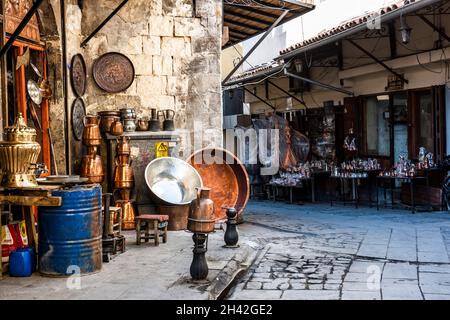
(28, 62)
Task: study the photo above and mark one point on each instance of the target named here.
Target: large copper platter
(78, 75)
(225, 174)
(113, 72)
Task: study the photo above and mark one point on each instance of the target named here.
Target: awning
(248, 18)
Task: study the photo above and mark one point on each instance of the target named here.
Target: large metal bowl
(225, 174)
(172, 181)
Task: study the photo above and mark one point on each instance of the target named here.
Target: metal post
(259, 98)
(21, 26)
(67, 126)
(3, 78)
(280, 18)
(101, 25)
(231, 236)
(288, 93)
(434, 27)
(199, 266)
(384, 65)
(317, 83)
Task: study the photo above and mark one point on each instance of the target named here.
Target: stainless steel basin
(172, 181)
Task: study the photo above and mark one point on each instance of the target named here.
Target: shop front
(370, 104)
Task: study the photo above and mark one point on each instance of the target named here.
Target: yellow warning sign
(161, 149)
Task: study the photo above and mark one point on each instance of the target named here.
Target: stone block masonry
(175, 49)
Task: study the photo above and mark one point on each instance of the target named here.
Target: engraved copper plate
(78, 75)
(78, 113)
(113, 72)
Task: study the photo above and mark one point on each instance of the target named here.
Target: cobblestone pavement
(321, 252)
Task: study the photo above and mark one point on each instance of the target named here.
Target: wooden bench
(151, 226)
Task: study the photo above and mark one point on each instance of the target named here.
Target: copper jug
(123, 146)
(168, 123)
(142, 124)
(201, 212)
(116, 128)
(128, 214)
(91, 131)
(91, 168)
(123, 176)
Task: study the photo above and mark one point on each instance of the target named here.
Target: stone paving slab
(142, 272)
(387, 254)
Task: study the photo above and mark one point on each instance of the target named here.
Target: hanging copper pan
(227, 178)
(78, 75)
(113, 72)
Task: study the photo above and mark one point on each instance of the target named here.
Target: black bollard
(199, 266)
(231, 234)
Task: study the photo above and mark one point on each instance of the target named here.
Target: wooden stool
(151, 226)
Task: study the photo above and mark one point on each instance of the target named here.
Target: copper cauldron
(106, 122)
(91, 168)
(91, 131)
(123, 176)
(201, 213)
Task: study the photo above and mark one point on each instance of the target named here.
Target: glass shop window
(425, 134)
(377, 126)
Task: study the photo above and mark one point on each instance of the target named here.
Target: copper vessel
(125, 194)
(123, 176)
(19, 154)
(91, 168)
(91, 131)
(123, 146)
(128, 214)
(116, 128)
(227, 178)
(142, 124)
(92, 150)
(178, 216)
(201, 213)
(106, 122)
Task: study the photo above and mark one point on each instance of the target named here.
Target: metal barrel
(70, 236)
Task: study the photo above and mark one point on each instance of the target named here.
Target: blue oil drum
(70, 236)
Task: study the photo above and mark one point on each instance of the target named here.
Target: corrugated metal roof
(248, 18)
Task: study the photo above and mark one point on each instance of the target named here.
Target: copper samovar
(18, 155)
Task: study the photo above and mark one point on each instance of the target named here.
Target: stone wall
(174, 46)
(175, 49)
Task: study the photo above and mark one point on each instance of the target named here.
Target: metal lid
(20, 132)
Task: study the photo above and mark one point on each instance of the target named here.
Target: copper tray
(78, 75)
(113, 72)
(229, 182)
(78, 113)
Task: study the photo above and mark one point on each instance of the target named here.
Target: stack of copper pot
(91, 164)
(124, 182)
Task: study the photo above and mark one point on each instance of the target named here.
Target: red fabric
(159, 217)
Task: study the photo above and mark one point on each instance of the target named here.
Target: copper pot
(128, 214)
(201, 213)
(91, 168)
(91, 131)
(106, 122)
(116, 128)
(123, 176)
(123, 146)
(142, 125)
